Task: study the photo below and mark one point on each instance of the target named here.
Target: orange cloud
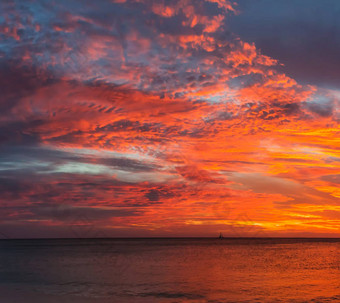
(164, 123)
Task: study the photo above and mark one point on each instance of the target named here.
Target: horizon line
(159, 238)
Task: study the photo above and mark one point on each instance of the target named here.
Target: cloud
(302, 36)
(129, 113)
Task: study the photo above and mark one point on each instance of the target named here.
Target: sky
(156, 118)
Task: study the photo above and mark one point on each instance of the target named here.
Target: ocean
(169, 270)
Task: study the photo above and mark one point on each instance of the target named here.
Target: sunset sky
(138, 118)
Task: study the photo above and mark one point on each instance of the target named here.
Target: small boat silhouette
(221, 236)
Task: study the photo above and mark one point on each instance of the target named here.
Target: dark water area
(170, 270)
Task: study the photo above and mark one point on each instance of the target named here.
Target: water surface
(170, 270)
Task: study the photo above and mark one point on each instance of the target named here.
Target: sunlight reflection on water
(174, 270)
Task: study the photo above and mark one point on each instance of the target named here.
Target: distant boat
(221, 236)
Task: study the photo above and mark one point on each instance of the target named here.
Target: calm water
(170, 270)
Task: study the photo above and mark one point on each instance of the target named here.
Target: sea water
(170, 270)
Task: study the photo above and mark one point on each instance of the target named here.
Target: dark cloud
(19, 80)
(324, 109)
(19, 133)
(303, 35)
(159, 193)
(332, 178)
(68, 213)
(152, 195)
